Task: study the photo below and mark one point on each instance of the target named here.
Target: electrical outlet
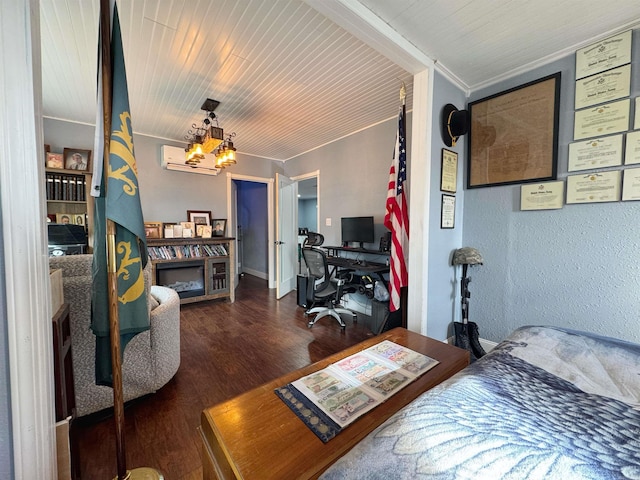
(327, 222)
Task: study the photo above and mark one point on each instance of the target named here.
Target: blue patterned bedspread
(546, 403)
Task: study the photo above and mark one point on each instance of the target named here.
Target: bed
(546, 403)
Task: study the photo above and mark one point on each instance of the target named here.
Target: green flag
(122, 205)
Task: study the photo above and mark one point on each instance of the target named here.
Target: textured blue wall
(577, 267)
(443, 302)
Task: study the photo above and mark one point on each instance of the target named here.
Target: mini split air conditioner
(173, 158)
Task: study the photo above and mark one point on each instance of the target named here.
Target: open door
(286, 235)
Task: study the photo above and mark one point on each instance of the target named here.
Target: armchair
(151, 359)
(321, 288)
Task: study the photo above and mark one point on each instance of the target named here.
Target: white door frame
(270, 217)
(307, 176)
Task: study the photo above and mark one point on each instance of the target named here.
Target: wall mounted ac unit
(173, 159)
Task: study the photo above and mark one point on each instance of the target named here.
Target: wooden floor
(227, 348)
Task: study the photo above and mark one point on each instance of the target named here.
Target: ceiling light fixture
(205, 138)
(226, 153)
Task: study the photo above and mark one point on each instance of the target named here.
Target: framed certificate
(603, 87)
(594, 187)
(632, 150)
(542, 196)
(602, 120)
(631, 184)
(448, 211)
(513, 135)
(604, 55)
(449, 171)
(636, 122)
(595, 153)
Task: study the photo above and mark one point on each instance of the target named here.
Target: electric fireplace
(186, 278)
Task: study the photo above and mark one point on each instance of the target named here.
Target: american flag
(396, 217)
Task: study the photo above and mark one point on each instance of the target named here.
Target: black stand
(467, 335)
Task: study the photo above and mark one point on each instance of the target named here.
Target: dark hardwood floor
(227, 348)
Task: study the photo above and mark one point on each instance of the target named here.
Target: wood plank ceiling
(289, 79)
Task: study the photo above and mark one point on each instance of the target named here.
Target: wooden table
(256, 436)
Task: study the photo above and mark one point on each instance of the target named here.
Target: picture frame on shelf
(199, 217)
(65, 218)
(204, 231)
(219, 227)
(153, 229)
(77, 159)
(79, 219)
(188, 229)
(54, 160)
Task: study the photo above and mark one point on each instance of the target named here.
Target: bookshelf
(67, 193)
(198, 269)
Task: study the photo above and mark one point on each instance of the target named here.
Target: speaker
(385, 242)
(302, 290)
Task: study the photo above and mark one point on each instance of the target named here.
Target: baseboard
(255, 273)
(487, 345)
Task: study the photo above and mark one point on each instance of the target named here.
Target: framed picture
(449, 171)
(188, 229)
(513, 135)
(153, 229)
(64, 218)
(199, 217)
(219, 227)
(54, 160)
(75, 159)
(79, 219)
(204, 231)
(448, 211)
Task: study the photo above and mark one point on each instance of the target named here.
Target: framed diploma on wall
(604, 55)
(513, 135)
(448, 211)
(449, 171)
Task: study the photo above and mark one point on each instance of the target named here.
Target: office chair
(327, 291)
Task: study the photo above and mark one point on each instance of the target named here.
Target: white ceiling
(288, 78)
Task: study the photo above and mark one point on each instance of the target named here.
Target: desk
(255, 435)
(335, 251)
(351, 264)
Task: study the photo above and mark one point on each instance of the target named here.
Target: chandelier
(208, 137)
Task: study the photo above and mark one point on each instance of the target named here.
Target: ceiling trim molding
(362, 23)
(553, 57)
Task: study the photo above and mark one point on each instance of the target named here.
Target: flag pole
(111, 260)
(114, 321)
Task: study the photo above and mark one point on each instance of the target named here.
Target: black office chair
(321, 288)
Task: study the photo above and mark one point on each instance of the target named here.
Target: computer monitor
(357, 229)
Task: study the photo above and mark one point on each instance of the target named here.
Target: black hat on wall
(453, 124)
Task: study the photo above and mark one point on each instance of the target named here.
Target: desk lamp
(466, 333)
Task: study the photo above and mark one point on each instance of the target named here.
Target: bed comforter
(547, 403)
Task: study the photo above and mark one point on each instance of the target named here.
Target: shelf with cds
(68, 199)
(197, 268)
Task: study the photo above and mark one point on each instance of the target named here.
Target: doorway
(250, 217)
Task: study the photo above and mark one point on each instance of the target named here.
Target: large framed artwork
(513, 135)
